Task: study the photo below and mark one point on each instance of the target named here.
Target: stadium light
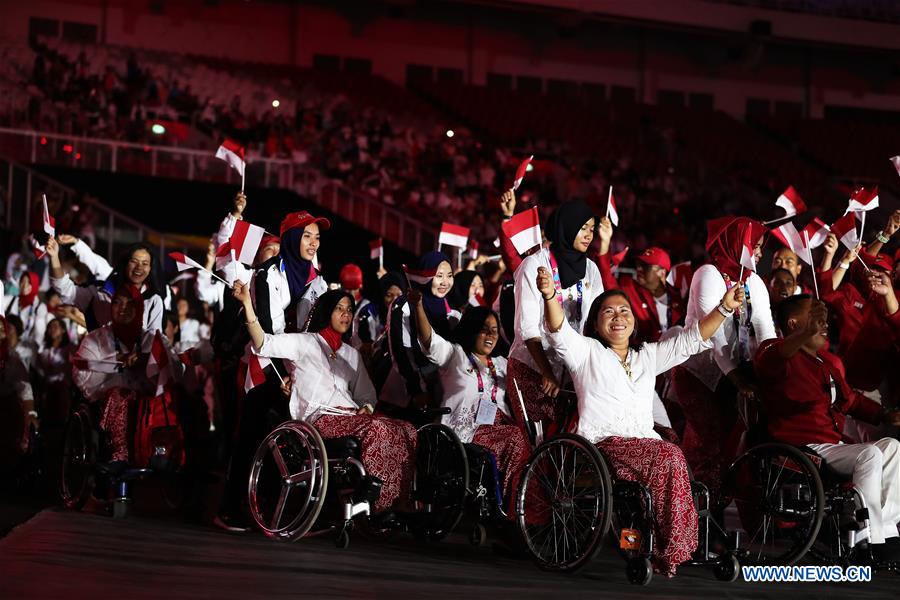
(275, 103)
(450, 133)
(158, 129)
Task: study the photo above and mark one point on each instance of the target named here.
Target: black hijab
(562, 227)
(320, 315)
(459, 294)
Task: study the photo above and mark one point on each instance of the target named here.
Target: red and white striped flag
(747, 259)
(49, 222)
(472, 249)
(524, 230)
(453, 235)
(680, 276)
(791, 202)
(845, 230)
(228, 265)
(895, 160)
(520, 172)
(863, 200)
(477, 300)
(419, 276)
(95, 365)
(376, 249)
(817, 231)
(158, 363)
(789, 236)
(232, 153)
(611, 211)
(38, 249)
(245, 241)
(184, 262)
(255, 374)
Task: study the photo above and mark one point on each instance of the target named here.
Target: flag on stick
(245, 241)
(49, 222)
(611, 211)
(520, 172)
(158, 363)
(524, 230)
(791, 202)
(453, 235)
(419, 276)
(845, 230)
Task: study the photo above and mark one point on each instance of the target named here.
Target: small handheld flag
(520, 172)
(611, 211)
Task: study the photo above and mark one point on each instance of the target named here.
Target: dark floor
(59, 554)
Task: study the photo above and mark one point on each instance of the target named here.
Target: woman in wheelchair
(109, 367)
(474, 387)
(614, 382)
(331, 388)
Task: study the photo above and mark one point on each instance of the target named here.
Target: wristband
(548, 299)
(844, 265)
(724, 311)
(32, 413)
(882, 238)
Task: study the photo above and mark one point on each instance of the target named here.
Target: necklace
(626, 364)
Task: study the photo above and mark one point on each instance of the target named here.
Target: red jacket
(643, 304)
(796, 396)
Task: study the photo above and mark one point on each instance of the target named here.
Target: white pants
(875, 469)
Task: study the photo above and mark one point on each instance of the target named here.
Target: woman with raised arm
(614, 382)
(474, 386)
(331, 389)
(28, 307)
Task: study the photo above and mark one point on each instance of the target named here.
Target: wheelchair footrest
(370, 489)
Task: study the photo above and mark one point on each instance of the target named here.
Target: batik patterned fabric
(388, 452)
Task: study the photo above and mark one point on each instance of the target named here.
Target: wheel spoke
(279, 459)
(279, 506)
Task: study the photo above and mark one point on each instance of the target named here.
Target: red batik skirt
(510, 446)
(661, 467)
(388, 452)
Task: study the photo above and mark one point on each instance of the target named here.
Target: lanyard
(737, 317)
(554, 267)
(493, 371)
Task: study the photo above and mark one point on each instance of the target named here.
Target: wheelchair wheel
(441, 482)
(288, 481)
(777, 493)
(844, 513)
(564, 503)
(79, 457)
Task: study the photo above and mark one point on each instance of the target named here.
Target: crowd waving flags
(233, 154)
(791, 202)
(520, 172)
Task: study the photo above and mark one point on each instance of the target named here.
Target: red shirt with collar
(643, 303)
(796, 396)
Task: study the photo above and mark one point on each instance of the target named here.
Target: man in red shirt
(656, 305)
(806, 397)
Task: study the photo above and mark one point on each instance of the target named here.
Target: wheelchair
(302, 485)
(787, 504)
(83, 469)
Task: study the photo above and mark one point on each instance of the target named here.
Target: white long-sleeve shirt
(99, 300)
(226, 229)
(707, 288)
(96, 264)
(34, 318)
(460, 384)
(530, 307)
(320, 378)
(100, 345)
(609, 403)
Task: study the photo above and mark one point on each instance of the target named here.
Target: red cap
(351, 277)
(881, 261)
(656, 256)
(302, 219)
(268, 240)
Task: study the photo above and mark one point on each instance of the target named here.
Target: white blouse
(530, 307)
(707, 288)
(460, 384)
(34, 318)
(100, 345)
(609, 403)
(320, 382)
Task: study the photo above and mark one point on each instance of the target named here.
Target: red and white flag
(524, 230)
(896, 162)
(37, 248)
(376, 249)
(863, 200)
(617, 258)
(477, 300)
(255, 374)
(789, 236)
(680, 276)
(184, 262)
(245, 241)
(611, 211)
(95, 365)
(791, 202)
(817, 231)
(49, 222)
(747, 259)
(520, 172)
(453, 235)
(232, 153)
(228, 265)
(845, 230)
(472, 249)
(419, 276)
(158, 363)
